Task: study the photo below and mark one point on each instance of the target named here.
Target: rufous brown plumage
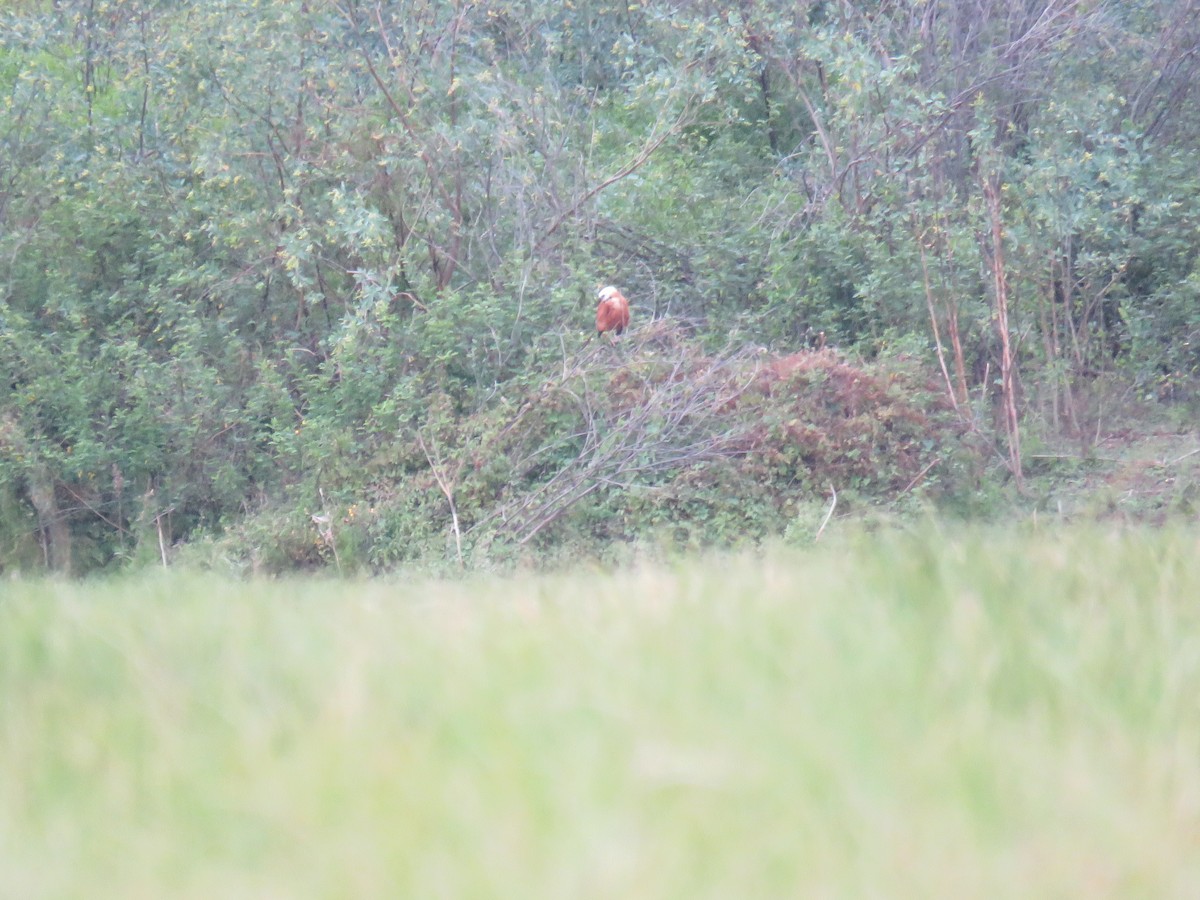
(613, 312)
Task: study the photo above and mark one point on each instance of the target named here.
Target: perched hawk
(613, 312)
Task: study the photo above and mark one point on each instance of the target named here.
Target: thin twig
(828, 515)
(646, 152)
(1180, 459)
(327, 535)
(162, 544)
(103, 518)
(448, 491)
(919, 476)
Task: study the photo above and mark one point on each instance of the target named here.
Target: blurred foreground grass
(949, 714)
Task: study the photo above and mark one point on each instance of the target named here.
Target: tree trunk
(56, 536)
(991, 191)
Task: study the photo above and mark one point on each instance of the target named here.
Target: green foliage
(254, 250)
(653, 442)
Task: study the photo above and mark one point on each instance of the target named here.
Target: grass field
(943, 714)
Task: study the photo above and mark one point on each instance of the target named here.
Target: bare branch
(828, 515)
(625, 171)
(447, 485)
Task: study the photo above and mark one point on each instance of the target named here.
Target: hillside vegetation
(289, 283)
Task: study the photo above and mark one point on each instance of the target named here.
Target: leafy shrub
(653, 441)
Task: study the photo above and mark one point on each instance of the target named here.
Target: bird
(613, 312)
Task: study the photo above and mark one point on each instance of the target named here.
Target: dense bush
(276, 260)
(652, 442)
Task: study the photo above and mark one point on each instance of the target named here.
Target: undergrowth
(654, 441)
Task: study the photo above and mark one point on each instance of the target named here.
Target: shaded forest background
(288, 283)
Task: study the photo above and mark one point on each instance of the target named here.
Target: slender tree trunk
(933, 325)
(960, 364)
(56, 533)
(991, 191)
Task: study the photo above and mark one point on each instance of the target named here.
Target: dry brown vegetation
(654, 438)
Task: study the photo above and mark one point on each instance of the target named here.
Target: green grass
(949, 714)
